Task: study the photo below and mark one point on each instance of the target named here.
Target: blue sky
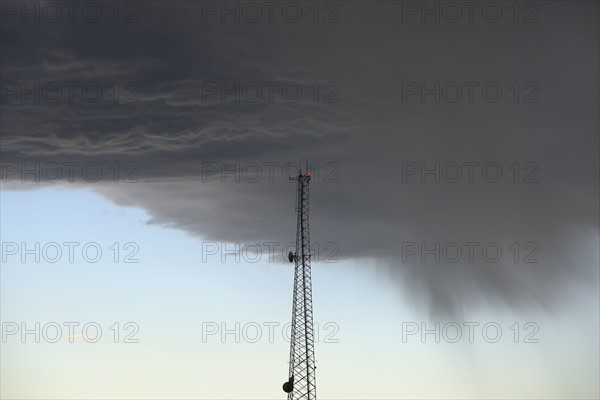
(170, 293)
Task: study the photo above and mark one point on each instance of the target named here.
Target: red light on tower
(307, 173)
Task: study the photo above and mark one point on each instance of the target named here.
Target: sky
(454, 155)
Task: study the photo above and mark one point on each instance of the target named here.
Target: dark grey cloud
(170, 132)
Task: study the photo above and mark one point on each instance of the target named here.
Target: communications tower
(301, 383)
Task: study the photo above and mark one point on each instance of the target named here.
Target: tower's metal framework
(301, 383)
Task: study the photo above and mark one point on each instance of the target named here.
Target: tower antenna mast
(301, 383)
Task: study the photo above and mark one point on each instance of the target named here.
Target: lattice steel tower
(301, 383)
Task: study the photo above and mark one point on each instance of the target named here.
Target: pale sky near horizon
(170, 293)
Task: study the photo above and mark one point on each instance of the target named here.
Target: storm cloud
(399, 115)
